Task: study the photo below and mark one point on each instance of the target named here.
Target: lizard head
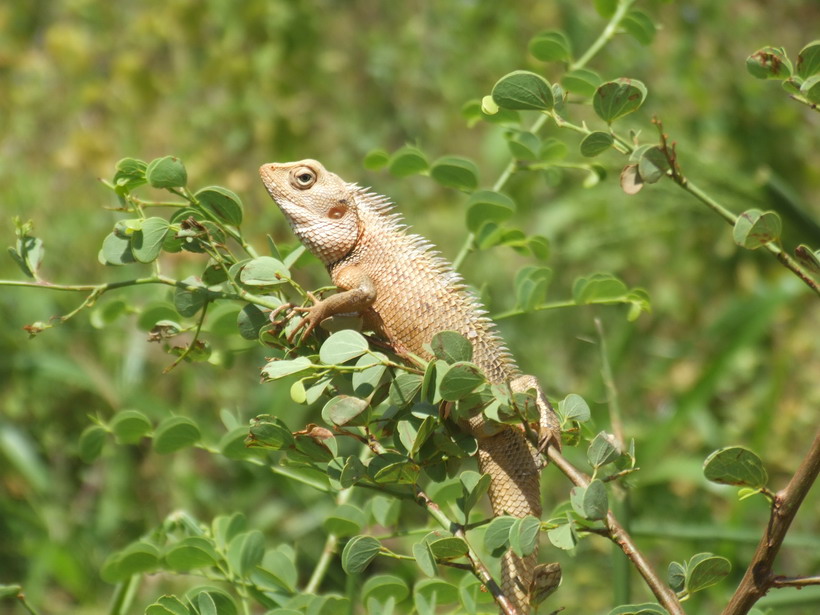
(319, 206)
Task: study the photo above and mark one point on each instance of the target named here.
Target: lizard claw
(310, 320)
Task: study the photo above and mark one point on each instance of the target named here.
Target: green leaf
(676, 575)
(245, 552)
(130, 426)
(487, 206)
(735, 465)
(392, 468)
(146, 243)
(563, 536)
(188, 301)
(342, 346)
(647, 608)
(233, 444)
(553, 150)
(451, 346)
(221, 203)
(598, 288)
(574, 408)
(280, 368)
(704, 570)
(115, 251)
(614, 99)
(550, 46)
(407, 161)
(523, 90)
(524, 145)
(10, 591)
(808, 258)
(383, 587)
(595, 502)
(345, 410)
(451, 547)
(653, 165)
(264, 271)
(166, 172)
(581, 81)
(346, 520)
(167, 605)
(358, 553)
(754, 228)
(524, 535)
(455, 172)
(630, 180)
(130, 169)
(596, 143)
(531, 283)
(602, 451)
(376, 159)
(474, 486)
(135, 558)
(539, 246)
(425, 559)
(404, 388)
(191, 553)
(206, 604)
(640, 26)
(606, 8)
(461, 379)
(497, 535)
(808, 60)
(267, 431)
(250, 321)
(430, 594)
(811, 89)
(370, 375)
(769, 63)
(175, 433)
(91, 443)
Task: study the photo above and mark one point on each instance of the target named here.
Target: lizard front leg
(358, 292)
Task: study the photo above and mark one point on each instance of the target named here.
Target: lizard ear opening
(302, 178)
(337, 211)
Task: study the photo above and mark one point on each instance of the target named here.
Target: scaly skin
(406, 294)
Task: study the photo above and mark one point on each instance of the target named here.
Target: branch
(617, 534)
(759, 578)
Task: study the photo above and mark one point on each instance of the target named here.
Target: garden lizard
(406, 293)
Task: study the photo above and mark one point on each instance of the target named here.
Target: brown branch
(795, 581)
(617, 534)
(759, 578)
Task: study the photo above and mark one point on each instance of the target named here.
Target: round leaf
(735, 465)
(279, 368)
(115, 251)
(581, 81)
(754, 228)
(342, 346)
(461, 379)
(407, 161)
(524, 535)
(524, 145)
(451, 346)
(450, 547)
(343, 410)
(705, 570)
(808, 61)
(191, 553)
(166, 172)
(596, 143)
(245, 552)
(640, 26)
(551, 46)
(376, 159)
(91, 443)
(563, 537)
(384, 587)
(811, 89)
(146, 243)
(264, 271)
(602, 451)
(358, 553)
(424, 558)
(614, 99)
(455, 172)
(346, 520)
(652, 165)
(175, 433)
(130, 426)
(222, 203)
(497, 535)
(523, 90)
(769, 63)
(269, 432)
(188, 301)
(488, 206)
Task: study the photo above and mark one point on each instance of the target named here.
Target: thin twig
(616, 533)
(759, 578)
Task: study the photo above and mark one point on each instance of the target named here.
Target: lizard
(406, 293)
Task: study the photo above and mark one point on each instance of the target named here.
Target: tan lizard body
(406, 294)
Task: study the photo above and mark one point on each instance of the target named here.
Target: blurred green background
(729, 355)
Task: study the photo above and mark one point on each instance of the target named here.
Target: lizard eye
(303, 178)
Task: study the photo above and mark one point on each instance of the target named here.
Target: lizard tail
(513, 466)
